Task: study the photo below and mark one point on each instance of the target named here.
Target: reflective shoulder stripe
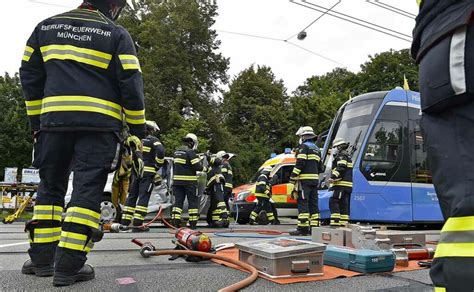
(146, 149)
(134, 117)
(459, 224)
(130, 62)
(180, 160)
(78, 54)
(454, 250)
(27, 54)
(301, 156)
(195, 160)
(314, 157)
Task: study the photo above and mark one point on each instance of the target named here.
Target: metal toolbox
(283, 257)
(403, 238)
(335, 236)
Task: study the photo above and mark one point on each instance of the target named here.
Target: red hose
(234, 287)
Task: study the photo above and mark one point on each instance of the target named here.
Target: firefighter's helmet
(305, 131)
(192, 139)
(339, 142)
(111, 7)
(222, 155)
(267, 170)
(152, 126)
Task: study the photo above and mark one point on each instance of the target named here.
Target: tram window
(382, 157)
(420, 169)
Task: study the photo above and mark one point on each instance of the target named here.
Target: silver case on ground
(340, 236)
(283, 257)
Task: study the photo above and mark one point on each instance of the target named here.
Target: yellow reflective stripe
(130, 62)
(309, 176)
(229, 185)
(342, 162)
(296, 170)
(301, 156)
(48, 208)
(314, 157)
(224, 170)
(342, 184)
(128, 209)
(159, 160)
(127, 217)
(195, 160)
(135, 117)
(149, 169)
(350, 165)
(261, 183)
(47, 235)
(146, 149)
(33, 107)
(138, 216)
(438, 289)
(185, 177)
(82, 216)
(180, 161)
(27, 54)
(419, 2)
(142, 208)
(78, 54)
(459, 224)
(72, 240)
(335, 172)
(454, 250)
(47, 212)
(81, 103)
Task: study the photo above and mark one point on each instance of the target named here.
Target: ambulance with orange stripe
(243, 198)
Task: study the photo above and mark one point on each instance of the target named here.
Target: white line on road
(14, 244)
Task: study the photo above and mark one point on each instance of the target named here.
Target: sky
(330, 42)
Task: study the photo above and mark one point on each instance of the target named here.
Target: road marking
(14, 244)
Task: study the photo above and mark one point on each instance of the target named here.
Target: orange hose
(234, 287)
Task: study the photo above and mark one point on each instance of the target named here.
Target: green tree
(181, 66)
(15, 135)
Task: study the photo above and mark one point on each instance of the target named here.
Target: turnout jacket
(153, 154)
(185, 165)
(342, 171)
(308, 164)
(262, 188)
(80, 71)
(214, 174)
(437, 19)
(226, 170)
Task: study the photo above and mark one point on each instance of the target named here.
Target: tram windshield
(352, 124)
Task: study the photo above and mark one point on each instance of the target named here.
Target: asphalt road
(116, 257)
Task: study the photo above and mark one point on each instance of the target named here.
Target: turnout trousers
(180, 193)
(308, 210)
(449, 138)
(447, 99)
(136, 206)
(91, 156)
(263, 204)
(339, 206)
(217, 212)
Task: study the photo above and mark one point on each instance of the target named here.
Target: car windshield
(352, 123)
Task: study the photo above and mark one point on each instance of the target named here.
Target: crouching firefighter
(76, 91)
(185, 165)
(263, 193)
(136, 206)
(217, 215)
(305, 179)
(340, 183)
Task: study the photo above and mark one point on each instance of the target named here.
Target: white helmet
(152, 126)
(267, 169)
(221, 154)
(338, 142)
(305, 131)
(194, 138)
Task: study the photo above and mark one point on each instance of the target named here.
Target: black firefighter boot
(193, 225)
(86, 273)
(29, 268)
(300, 231)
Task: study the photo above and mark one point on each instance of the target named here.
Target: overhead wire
(314, 21)
(392, 8)
(49, 4)
(357, 21)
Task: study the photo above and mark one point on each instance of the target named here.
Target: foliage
(15, 136)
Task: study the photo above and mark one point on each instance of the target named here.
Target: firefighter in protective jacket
(186, 164)
(217, 215)
(226, 170)
(443, 46)
(263, 193)
(305, 179)
(136, 206)
(341, 183)
(80, 75)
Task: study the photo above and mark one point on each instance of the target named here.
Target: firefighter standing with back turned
(341, 183)
(443, 46)
(305, 179)
(136, 206)
(185, 165)
(226, 170)
(217, 215)
(79, 72)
